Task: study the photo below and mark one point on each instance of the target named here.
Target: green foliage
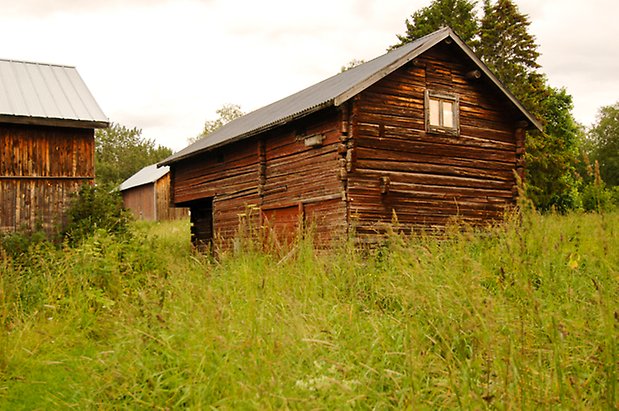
(96, 208)
(522, 315)
(227, 113)
(552, 180)
(502, 40)
(457, 14)
(599, 198)
(93, 209)
(18, 243)
(120, 152)
(509, 50)
(596, 196)
(604, 139)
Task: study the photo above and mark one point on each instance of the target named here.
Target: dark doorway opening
(202, 224)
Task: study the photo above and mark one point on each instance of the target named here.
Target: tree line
(567, 165)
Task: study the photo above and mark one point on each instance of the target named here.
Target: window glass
(434, 112)
(448, 114)
(441, 111)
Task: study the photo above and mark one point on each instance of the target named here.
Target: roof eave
(54, 122)
(496, 81)
(172, 159)
(122, 189)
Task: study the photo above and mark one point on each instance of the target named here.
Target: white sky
(165, 66)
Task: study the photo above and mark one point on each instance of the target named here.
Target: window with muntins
(442, 113)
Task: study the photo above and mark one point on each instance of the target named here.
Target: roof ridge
(332, 92)
(308, 99)
(38, 63)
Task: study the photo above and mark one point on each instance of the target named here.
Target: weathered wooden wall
(424, 179)
(40, 168)
(152, 201)
(223, 183)
(164, 207)
(141, 201)
(305, 179)
(257, 182)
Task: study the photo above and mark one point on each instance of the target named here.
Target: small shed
(47, 122)
(147, 195)
(423, 133)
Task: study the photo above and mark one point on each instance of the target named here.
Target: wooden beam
(46, 178)
(473, 75)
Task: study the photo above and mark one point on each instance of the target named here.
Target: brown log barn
(47, 122)
(147, 195)
(425, 133)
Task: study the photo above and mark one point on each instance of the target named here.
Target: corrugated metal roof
(147, 175)
(332, 92)
(38, 93)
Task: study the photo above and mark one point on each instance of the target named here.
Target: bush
(596, 197)
(94, 208)
(614, 194)
(18, 243)
(595, 194)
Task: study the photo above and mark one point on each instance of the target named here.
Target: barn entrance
(202, 224)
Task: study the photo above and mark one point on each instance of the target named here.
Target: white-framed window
(442, 112)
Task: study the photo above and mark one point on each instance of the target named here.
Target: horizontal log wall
(231, 171)
(307, 177)
(271, 172)
(423, 178)
(229, 177)
(40, 168)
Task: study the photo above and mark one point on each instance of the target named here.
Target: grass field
(525, 315)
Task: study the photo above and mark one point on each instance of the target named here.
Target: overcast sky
(165, 66)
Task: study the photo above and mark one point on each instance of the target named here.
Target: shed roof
(147, 175)
(333, 92)
(47, 94)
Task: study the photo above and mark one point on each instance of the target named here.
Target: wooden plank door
(282, 224)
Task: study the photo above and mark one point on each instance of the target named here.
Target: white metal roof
(147, 175)
(38, 93)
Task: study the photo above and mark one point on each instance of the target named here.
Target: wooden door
(282, 224)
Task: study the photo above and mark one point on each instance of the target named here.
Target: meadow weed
(520, 315)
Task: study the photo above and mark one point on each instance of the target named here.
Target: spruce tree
(457, 14)
(510, 51)
(551, 157)
(503, 42)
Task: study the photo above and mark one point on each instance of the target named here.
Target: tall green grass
(523, 315)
